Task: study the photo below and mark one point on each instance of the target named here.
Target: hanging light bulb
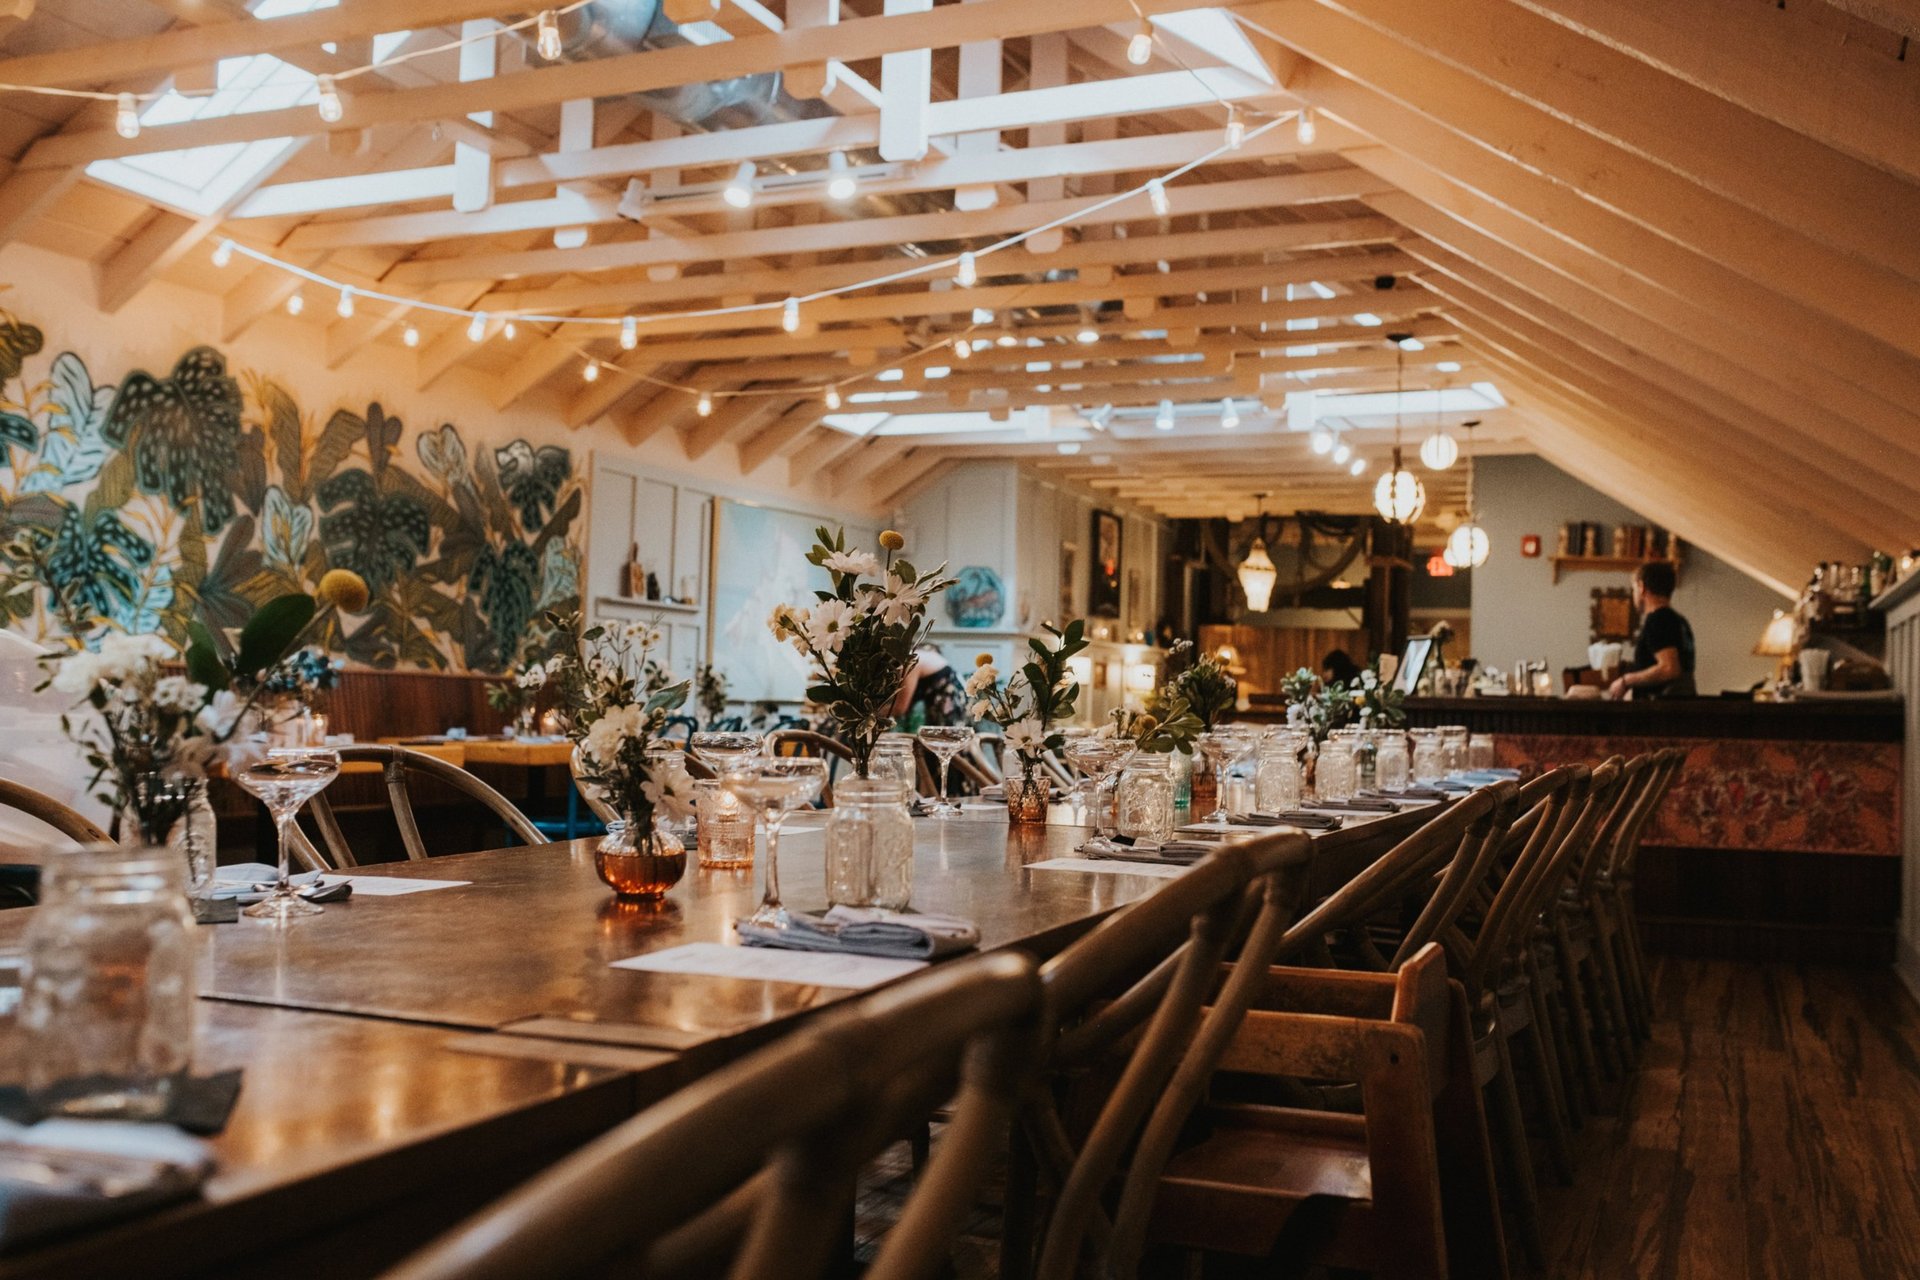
(477, 327)
(967, 274)
(832, 397)
(295, 303)
(126, 117)
(1439, 451)
(629, 333)
(223, 253)
(329, 105)
(1164, 419)
(1236, 129)
(1140, 48)
(508, 331)
(548, 40)
(1088, 334)
(1399, 496)
(1341, 452)
(591, 371)
(790, 315)
(705, 406)
(1157, 197)
(1320, 440)
(1229, 416)
(739, 189)
(344, 308)
(962, 350)
(841, 184)
(1359, 467)
(410, 335)
(1257, 573)
(1467, 547)
(1305, 127)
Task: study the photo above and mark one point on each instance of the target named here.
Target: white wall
(1520, 613)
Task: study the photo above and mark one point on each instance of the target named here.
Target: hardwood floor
(1773, 1130)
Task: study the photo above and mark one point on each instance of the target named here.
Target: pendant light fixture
(1257, 573)
(1399, 496)
(1468, 546)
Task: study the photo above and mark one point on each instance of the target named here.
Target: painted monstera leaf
(443, 454)
(505, 582)
(75, 448)
(559, 575)
(100, 563)
(532, 478)
(377, 535)
(183, 432)
(17, 342)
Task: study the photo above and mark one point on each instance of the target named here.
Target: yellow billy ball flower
(891, 540)
(344, 589)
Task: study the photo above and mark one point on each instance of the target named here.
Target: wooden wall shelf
(1604, 564)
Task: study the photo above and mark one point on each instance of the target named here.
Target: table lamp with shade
(1779, 641)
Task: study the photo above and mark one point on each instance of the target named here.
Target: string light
(1140, 48)
(295, 303)
(330, 107)
(410, 335)
(126, 117)
(477, 327)
(1164, 419)
(223, 253)
(591, 371)
(344, 307)
(963, 350)
(739, 189)
(509, 331)
(1229, 416)
(968, 274)
(832, 397)
(629, 332)
(1305, 129)
(705, 407)
(1157, 197)
(548, 41)
(1236, 129)
(841, 184)
(790, 316)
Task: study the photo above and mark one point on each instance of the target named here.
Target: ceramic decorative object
(978, 598)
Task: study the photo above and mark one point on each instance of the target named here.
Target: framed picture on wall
(1103, 589)
(1069, 572)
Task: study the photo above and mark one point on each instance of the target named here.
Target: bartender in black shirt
(1663, 651)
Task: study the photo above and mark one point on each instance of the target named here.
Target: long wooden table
(400, 1049)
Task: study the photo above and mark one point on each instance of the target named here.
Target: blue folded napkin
(867, 931)
(250, 882)
(60, 1175)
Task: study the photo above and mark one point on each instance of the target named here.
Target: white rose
(77, 673)
(855, 563)
(177, 693)
(217, 717)
(532, 678)
(121, 655)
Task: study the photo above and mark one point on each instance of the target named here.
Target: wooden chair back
(1548, 810)
(73, 825)
(1663, 770)
(1132, 996)
(750, 1172)
(1627, 793)
(807, 742)
(397, 763)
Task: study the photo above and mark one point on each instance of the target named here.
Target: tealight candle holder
(723, 832)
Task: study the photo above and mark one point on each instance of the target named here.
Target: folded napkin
(865, 931)
(1415, 793)
(250, 882)
(198, 1104)
(1125, 849)
(998, 791)
(1295, 818)
(1361, 805)
(63, 1174)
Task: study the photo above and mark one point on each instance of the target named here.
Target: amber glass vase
(1027, 798)
(1204, 790)
(639, 869)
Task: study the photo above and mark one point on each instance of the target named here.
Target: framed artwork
(1069, 572)
(1611, 616)
(1413, 664)
(1103, 588)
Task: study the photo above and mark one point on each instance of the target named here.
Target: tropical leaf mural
(205, 493)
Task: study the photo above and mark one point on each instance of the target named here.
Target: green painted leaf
(183, 432)
(378, 535)
(505, 582)
(531, 478)
(17, 342)
(15, 429)
(98, 562)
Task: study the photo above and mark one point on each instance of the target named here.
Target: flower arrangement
(1205, 685)
(1169, 725)
(1034, 699)
(710, 693)
(612, 718)
(1321, 708)
(859, 638)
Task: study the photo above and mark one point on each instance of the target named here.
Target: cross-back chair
(1616, 889)
(750, 1172)
(397, 766)
(809, 742)
(40, 807)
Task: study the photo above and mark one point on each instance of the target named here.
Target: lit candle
(724, 829)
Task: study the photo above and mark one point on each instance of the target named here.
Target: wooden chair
(1618, 923)
(806, 742)
(989, 751)
(73, 825)
(396, 764)
(1129, 1045)
(1402, 1188)
(750, 1172)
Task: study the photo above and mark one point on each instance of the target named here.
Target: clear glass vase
(869, 841)
(107, 1004)
(172, 811)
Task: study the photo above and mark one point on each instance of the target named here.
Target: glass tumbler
(1453, 748)
(1334, 776)
(1480, 751)
(1276, 778)
(1429, 765)
(1392, 766)
(724, 827)
(1143, 806)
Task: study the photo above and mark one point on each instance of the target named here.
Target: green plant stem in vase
(1030, 707)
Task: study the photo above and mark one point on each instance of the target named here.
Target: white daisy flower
(858, 564)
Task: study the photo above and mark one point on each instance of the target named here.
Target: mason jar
(1334, 778)
(1276, 777)
(177, 804)
(1392, 766)
(869, 841)
(107, 1001)
(1429, 763)
(1143, 806)
(1453, 748)
(894, 759)
(723, 830)
(1480, 753)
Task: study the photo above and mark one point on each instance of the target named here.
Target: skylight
(203, 180)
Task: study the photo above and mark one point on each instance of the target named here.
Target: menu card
(773, 964)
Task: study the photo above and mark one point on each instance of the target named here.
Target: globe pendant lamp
(1439, 451)
(1468, 545)
(1398, 495)
(1257, 573)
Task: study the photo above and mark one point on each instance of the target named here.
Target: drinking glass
(773, 788)
(1222, 751)
(1453, 748)
(286, 779)
(1392, 768)
(719, 750)
(1100, 759)
(945, 741)
(1333, 776)
(1277, 780)
(1429, 763)
(1480, 751)
(895, 758)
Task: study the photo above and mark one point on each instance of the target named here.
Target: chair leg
(1518, 1158)
(1580, 1030)
(1623, 1037)
(1546, 1084)
(1018, 1226)
(1469, 1197)
(1553, 998)
(1606, 1033)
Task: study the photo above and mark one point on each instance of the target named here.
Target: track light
(705, 406)
(790, 316)
(410, 335)
(345, 306)
(1088, 335)
(295, 303)
(841, 184)
(1341, 453)
(1164, 419)
(1006, 340)
(1157, 197)
(1359, 467)
(967, 274)
(739, 188)
(1305, 127)
(1140, 48)
(832, 397)
(548, 41)
(591, 372)
(126, 117)
(329, 104)
(477, 327)
(1229, 416)
(1236, 129)
(223, 253)
(629, 333)
(1320, 440)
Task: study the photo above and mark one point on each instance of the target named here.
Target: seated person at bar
(1338, 668)
(1663, 651)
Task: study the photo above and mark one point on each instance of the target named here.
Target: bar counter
(1781, 838)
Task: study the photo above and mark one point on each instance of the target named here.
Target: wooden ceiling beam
(779, 436)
